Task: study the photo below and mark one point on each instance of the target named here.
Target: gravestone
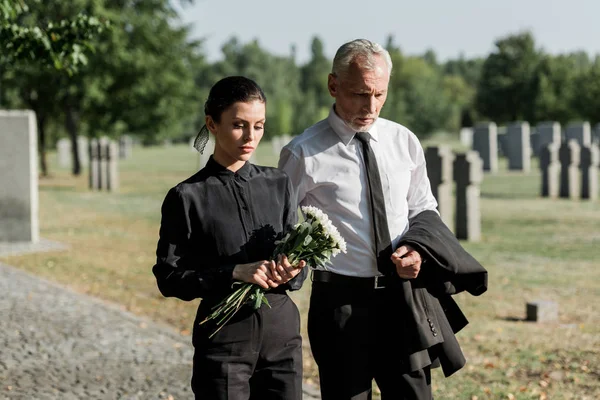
(63, 151)
(534, 142)
(19, 202)
(82, 149)
(549, 132)
(94, 156)
(125, 147)
(518, 146)
(502, 141)
(104, 167)
(466, 137)
(596, 134)
(468, 174)
(590, 161)
(103, 162)
(485, 142)
(542, 311)
(550, 167)
(112, 166)
(570, 180)
(580, 132)
(439, 162)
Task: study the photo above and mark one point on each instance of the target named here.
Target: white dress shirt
(326, 167)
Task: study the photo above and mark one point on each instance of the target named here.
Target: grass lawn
(533, 249)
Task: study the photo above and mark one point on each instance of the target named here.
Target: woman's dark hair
(223, 95)
(231, 90)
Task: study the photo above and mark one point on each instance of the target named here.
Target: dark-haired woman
(219, 227)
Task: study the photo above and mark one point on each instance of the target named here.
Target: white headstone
(466, 137)
(103, 163)
(19, 203)
(112, 166)
(82, 147)
(63, 150)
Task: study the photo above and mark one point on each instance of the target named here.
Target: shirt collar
(220, 171)
(346, 133)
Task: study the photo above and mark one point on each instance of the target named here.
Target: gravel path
(58, 344)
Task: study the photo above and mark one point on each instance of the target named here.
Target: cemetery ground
(533, 248)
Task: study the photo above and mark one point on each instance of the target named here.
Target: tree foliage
(61, 43)
(145, 77)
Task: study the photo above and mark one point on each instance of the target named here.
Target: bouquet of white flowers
(315, 240)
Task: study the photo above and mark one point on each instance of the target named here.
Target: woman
(219, 227)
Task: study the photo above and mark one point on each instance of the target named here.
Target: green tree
(555, 84)
(60, 43)
(279, 77)
(587, 89)
(506, 90)
(139, 80)
(46, 49)
(419, 96)
(468, 69)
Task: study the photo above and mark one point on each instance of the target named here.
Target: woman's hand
(268, 274)
(259, 272)
(283, 272)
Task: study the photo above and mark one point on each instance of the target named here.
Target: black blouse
(217, 219)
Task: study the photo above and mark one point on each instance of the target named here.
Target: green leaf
(307, 240)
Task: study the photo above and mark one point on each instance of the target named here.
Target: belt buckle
(376, 285)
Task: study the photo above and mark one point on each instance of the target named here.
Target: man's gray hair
(362, 48)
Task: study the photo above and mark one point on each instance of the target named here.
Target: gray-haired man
(371, 315)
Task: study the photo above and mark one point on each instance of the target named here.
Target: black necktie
(383, 243)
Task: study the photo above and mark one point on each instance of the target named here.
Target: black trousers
(354, 338)
(257, 355)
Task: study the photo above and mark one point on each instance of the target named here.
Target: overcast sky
(449, 27)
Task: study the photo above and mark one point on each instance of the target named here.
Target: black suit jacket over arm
(432, 317)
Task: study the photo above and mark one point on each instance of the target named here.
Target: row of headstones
(63, 150)
(277, 143)
(445, 169)
(104, 164)
(570, 170)
(518, 142)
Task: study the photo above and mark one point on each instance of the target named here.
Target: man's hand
(408, 262)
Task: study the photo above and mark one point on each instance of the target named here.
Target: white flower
(329, 230)
(315, 214)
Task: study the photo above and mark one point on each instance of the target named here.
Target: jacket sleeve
(450, 268)
(179, 272)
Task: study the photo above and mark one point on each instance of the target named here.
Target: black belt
(374, 282)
